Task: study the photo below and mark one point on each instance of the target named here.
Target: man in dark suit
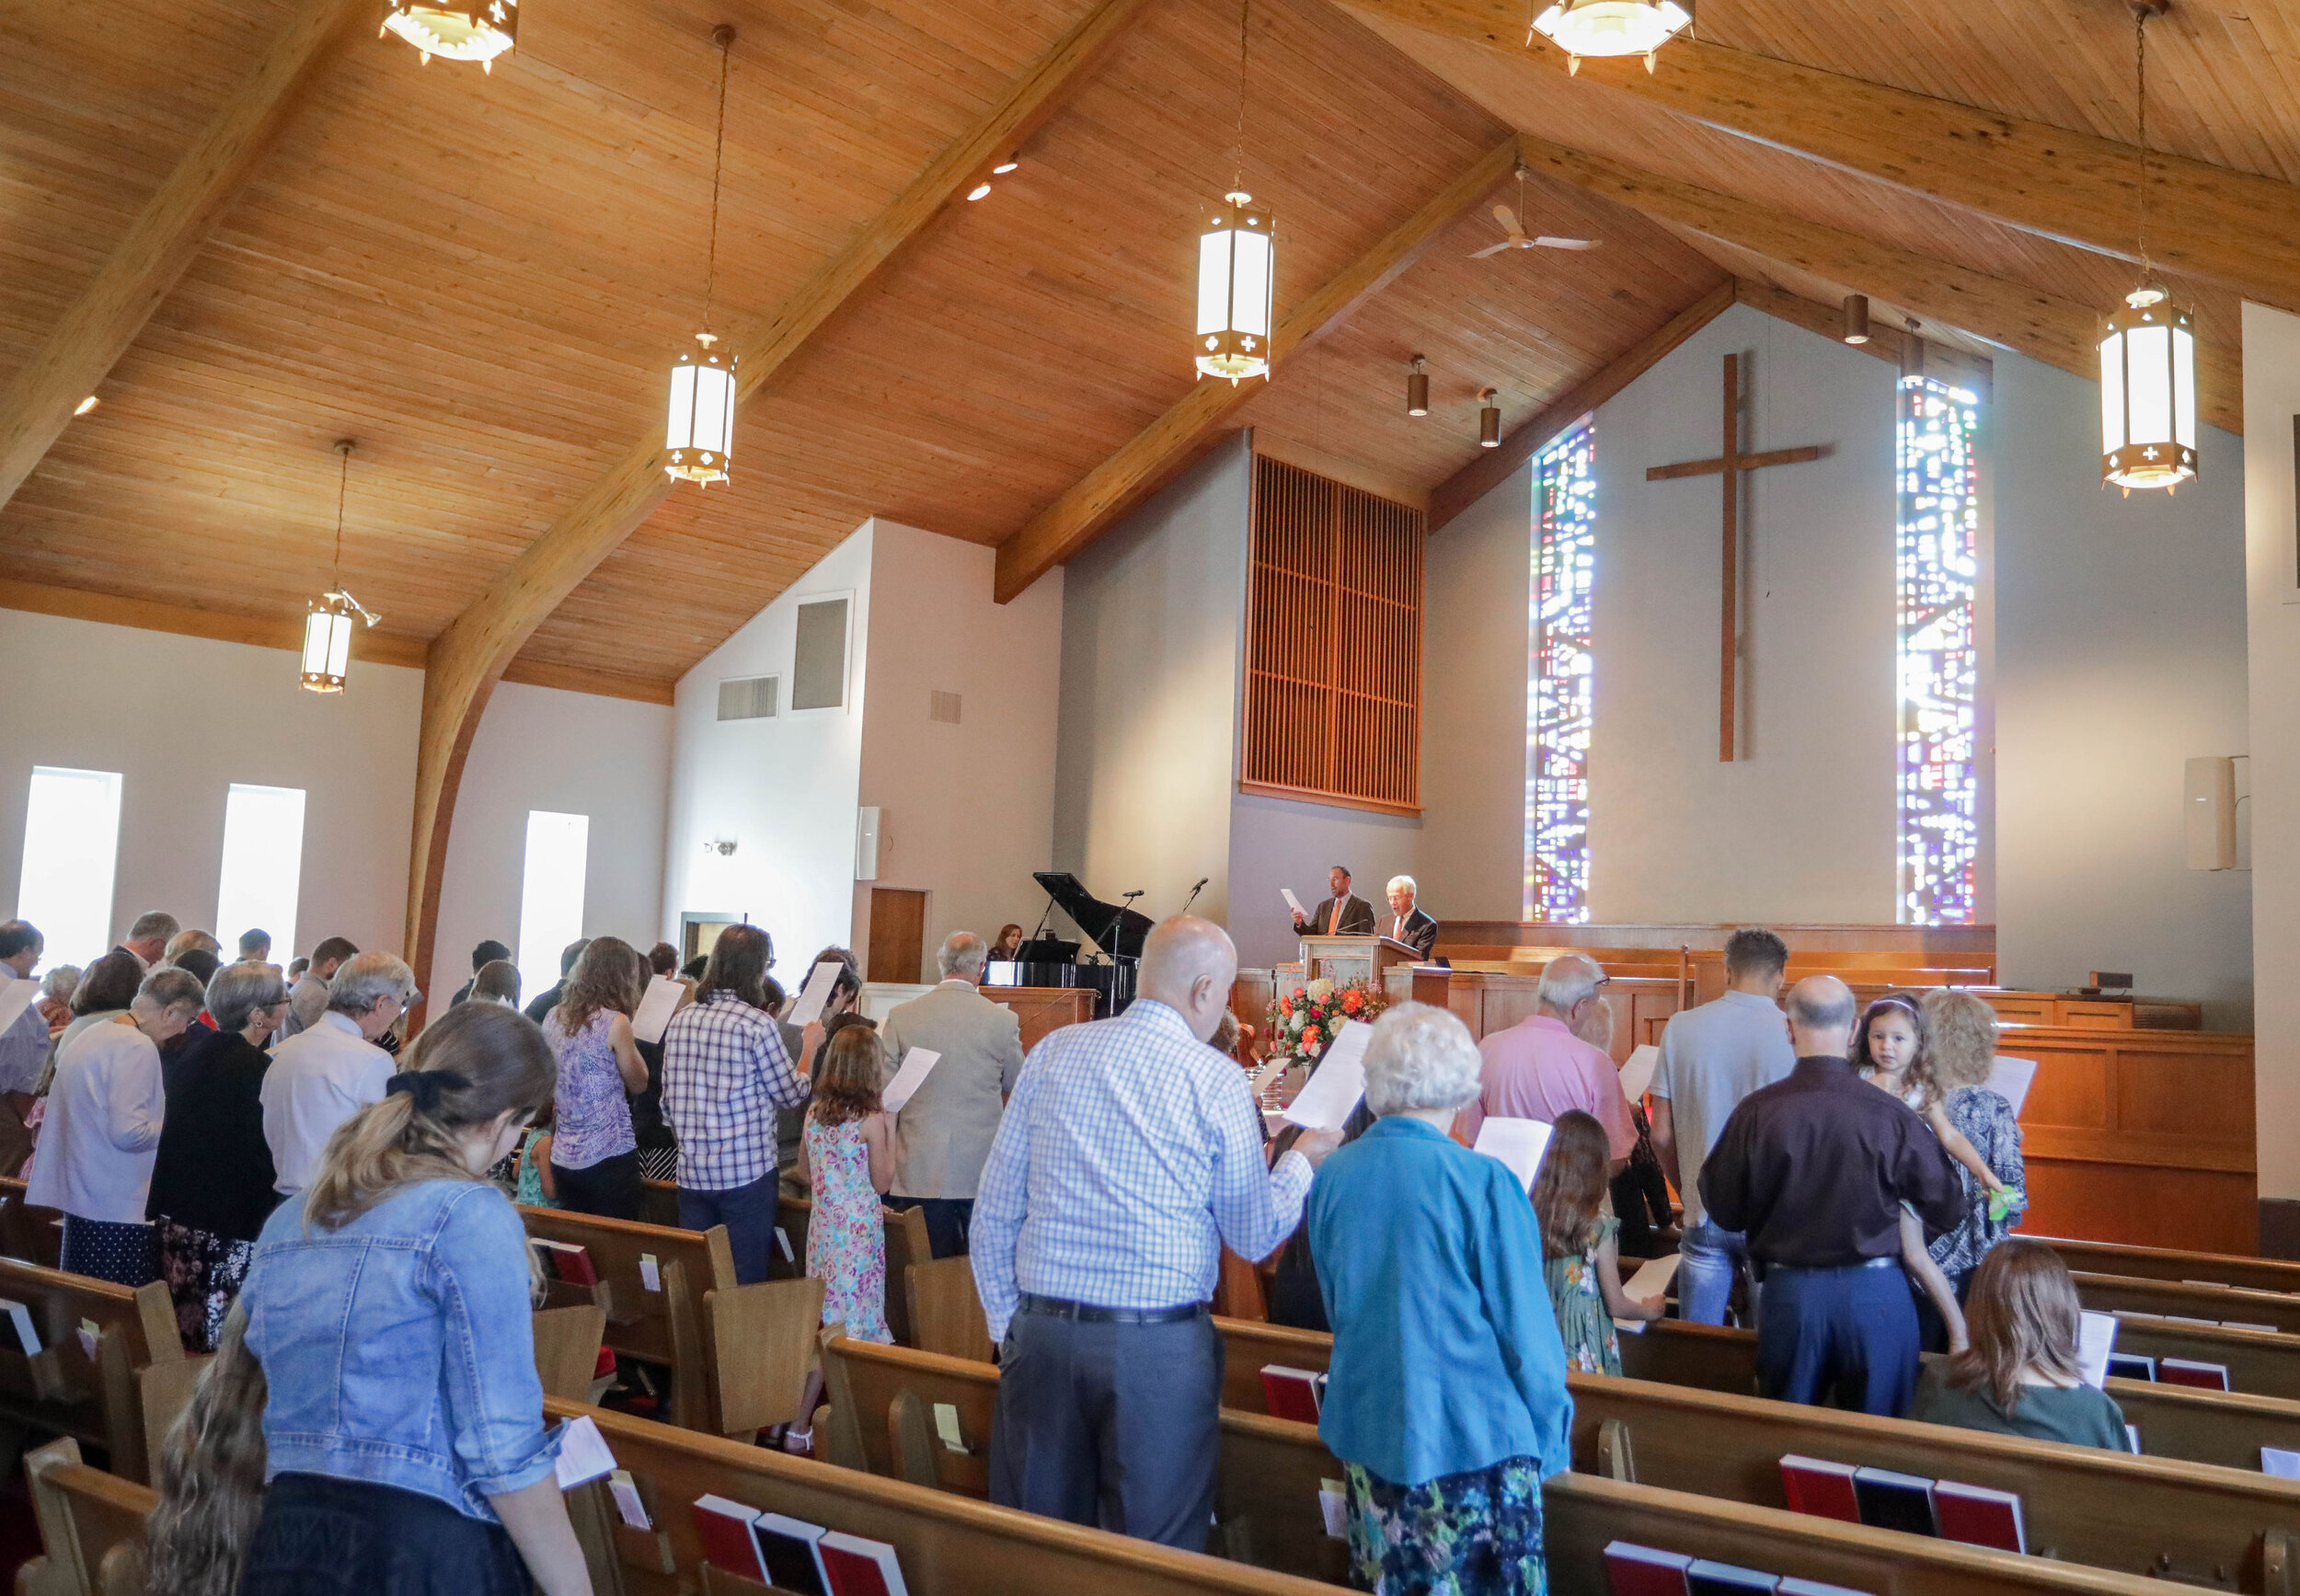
(1405, 922)
(1342, 914)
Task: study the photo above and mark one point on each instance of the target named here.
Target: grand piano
(1117, 931)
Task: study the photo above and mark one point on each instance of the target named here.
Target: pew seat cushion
(2078, 1414)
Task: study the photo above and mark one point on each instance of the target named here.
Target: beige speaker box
(2212, 814)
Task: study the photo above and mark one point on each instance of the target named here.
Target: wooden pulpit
(1366, 959)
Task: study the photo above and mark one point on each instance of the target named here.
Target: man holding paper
(943, 1128)
(1343, 914)
(1129, 1154)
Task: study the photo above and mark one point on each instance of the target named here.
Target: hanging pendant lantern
(2148, 347)
(1489, 420)
(702, 424)
(699, 432)
(1607, 28)
(2148, 391)
(1418, 389)
(459, 29)
(327, 625)
(1237, 271)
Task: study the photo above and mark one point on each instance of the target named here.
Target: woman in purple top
(594, 1153)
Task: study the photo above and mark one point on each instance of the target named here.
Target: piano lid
(1117, 931)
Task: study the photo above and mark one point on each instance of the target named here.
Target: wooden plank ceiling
(481, 278)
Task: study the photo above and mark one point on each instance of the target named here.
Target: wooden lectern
(1367, 958)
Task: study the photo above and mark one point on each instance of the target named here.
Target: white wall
(539, 748)
(1800, 827)
(967, 811)
(1472, 730)
(2272, 397)
(2121, 654)
(182, 719)
(1280, 842)
(783, 790)
(1152, 616)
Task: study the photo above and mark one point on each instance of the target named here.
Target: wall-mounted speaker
(2211, 806)
(867, 842)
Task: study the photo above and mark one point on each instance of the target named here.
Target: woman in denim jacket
(372, 1422)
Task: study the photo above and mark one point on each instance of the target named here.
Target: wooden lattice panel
(1333, 638)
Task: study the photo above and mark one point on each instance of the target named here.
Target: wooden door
(898, 936)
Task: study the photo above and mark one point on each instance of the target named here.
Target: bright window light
(71, 843)
(263, 864)
(550, 896)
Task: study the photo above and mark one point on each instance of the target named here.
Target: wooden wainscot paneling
(1044, 1008)
(2139, 1136)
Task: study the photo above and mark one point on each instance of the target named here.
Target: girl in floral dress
(849, 1156)
(1579, 1260)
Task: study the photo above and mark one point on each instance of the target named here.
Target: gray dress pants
(1112, 1425)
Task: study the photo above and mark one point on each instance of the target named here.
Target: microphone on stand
(1193, 893)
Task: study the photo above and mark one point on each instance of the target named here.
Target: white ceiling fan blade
(1508, 218)
(1548, 242)
(1490, 250)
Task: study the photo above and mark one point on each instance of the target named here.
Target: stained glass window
(1559, 679)
(1935, 568)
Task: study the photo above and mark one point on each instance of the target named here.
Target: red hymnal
(1792, 1586)
(2186, 1372)
(1633, 1570)
(1290, 1393)
(724, 1528)
(568, 1262)
(856, 1567)
(1819, 1486)
(1978, 1516)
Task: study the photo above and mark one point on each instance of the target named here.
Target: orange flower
(1310, 1037)
(1351, 1002)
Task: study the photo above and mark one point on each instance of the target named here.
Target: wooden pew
(945, 1310)
(2154, 1263)
(567, 1349)
(737, 1354)
(34, 1234)
(2221, 1304)
(2138, 1515)
(1247, 1344)
(91, 1527)
(96, 1397)
(948, 1546)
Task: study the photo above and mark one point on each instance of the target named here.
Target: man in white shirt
(322, 1076)
(1712, 1057)
(149, 937)
(1406, 923)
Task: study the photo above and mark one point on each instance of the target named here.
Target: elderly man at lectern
(1343, 914)
(1405, 922)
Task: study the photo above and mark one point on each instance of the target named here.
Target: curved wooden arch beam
(1153, 455)
(84, 345)
(467, 659)
(2228, 226)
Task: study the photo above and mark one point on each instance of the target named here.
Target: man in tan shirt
(942, 1136)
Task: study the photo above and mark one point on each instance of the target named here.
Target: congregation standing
(253, 1140)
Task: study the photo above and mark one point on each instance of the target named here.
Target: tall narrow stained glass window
(1559, 680)
(1936, 567)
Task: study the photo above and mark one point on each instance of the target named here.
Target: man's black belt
(1086, 1312)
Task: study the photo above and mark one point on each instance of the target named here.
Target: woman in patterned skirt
(1446, 1400)
(212, 1182)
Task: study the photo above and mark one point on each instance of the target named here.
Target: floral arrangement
(1303, 1020)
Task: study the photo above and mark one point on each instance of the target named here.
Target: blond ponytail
(468, 1068)
(211, 1471)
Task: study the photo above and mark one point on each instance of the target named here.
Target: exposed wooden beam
(87, 341)
(1492, 467)
(2045, 327)
(467, 658)
(2231, 227)
(1159, 451)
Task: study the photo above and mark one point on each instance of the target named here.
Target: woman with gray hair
(212, 1179)
(102, 1126)
(1446, 1400)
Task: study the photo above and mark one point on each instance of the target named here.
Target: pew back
(97, 1340)
(2154, 1263)
(2176, 1299)
(33, 1234)
(1249, 1344)
(91, 1527)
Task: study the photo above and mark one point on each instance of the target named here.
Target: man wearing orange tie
(1340, 915)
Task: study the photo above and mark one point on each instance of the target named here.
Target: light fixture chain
(725, 41)
(343, 487)
(1244, 10)
(2140, 78)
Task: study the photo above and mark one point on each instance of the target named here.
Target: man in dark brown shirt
(1814, 1169)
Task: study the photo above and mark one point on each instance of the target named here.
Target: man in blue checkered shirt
(725, 1072)
(1130, 1153)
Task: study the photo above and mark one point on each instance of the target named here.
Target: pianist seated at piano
(1343, 914)
(1405, 922)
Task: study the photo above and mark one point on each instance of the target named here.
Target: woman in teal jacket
(1446, 1400)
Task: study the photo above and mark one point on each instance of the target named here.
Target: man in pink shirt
(1540, 1068)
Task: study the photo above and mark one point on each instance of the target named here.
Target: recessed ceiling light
(980, 189)
(1003, 168)
(85, 406)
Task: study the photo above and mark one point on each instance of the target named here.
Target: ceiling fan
(1516, 237)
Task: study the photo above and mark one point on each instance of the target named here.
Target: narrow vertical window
(263, 864)
(1936, 565)
(71, 843)
(1560, 679)
(550, 895)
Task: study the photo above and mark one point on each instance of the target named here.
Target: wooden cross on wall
(1729, 466)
